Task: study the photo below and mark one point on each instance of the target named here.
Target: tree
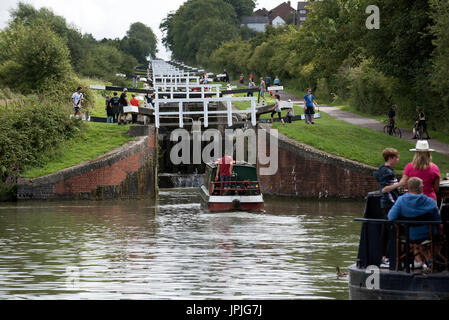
(77, 44)
(242, 7)
(105, 60)
(198, 27)
(33, 58)
(140, 42)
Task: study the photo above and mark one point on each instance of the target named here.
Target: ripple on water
(133, 250)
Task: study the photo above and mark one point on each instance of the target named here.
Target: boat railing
(402, 243)
(246, 187)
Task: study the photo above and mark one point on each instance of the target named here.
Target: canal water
(176, 250)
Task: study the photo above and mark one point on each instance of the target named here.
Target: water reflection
(176, 250)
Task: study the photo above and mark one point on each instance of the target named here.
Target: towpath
(356, 119)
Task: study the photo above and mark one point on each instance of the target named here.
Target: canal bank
(307, 172)
(125, 172)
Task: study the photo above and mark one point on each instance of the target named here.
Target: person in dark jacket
(387, 178)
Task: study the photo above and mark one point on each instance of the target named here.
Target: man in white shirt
(77, 98)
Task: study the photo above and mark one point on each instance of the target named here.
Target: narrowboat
(243, 192)
(400, 280)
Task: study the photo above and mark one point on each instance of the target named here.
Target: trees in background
(86, 54)
(199, 27)
(405, 61)
(33, 58)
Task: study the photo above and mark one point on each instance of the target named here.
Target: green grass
(97, 139)
(353, 142)
(381, 118)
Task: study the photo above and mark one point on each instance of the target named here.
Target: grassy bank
(95, 140)
(92, 141)
(400, 123)
(353, 142)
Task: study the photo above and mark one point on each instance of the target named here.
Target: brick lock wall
(128, 171)
(307, 172)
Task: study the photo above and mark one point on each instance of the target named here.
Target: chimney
(289, 3)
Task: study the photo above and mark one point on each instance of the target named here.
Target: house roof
(282, 10)
(255, 19)
(302, 5)
(261, 12)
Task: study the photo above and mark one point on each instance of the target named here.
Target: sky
(112, 18)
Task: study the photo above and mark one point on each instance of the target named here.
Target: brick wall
(126, 172)
(307, 172)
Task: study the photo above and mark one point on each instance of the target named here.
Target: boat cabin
(243, 182)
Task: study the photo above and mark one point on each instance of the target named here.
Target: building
(302, 12)
(281, 14)
(256, 23)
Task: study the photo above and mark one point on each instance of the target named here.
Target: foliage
(105, 61)
(92, 141)
(198, 27)
(404, 62)
(32, 58)
(77, 44)
(140, 42)
(371, 90)
(29, 128)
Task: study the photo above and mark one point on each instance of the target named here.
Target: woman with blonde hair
(423, 168)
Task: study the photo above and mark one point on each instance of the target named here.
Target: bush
(371, 90)
(33, 58)
(31, 128)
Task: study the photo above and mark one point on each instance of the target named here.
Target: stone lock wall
(307, 172)
(126, 172)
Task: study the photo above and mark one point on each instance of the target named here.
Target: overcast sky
(112, 18)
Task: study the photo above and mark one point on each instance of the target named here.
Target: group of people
(114, 106)
(420, 122)
(309, 109)
(422, 177)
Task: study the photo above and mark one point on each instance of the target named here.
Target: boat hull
(230, 203)
(397, 285)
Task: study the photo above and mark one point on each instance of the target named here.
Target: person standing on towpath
(309, 106)
(77, 98)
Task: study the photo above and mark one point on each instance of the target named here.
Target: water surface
(176, 250)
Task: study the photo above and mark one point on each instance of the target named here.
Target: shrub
(33, 58)
(371, 90)
(29, 129)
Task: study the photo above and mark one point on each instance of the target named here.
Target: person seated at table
(414, 205)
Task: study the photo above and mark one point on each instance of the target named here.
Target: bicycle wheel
(420, 133)
(386, 129)
(397, 132)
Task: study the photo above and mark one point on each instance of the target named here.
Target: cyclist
(392, 119)
(420, 122)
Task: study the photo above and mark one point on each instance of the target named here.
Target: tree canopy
(404, 62)
(199, 27)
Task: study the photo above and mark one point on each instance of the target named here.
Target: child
(109, 114)
(277, 109)
(290, 113)
(388, 186)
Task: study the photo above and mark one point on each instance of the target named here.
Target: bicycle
(395, 131)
